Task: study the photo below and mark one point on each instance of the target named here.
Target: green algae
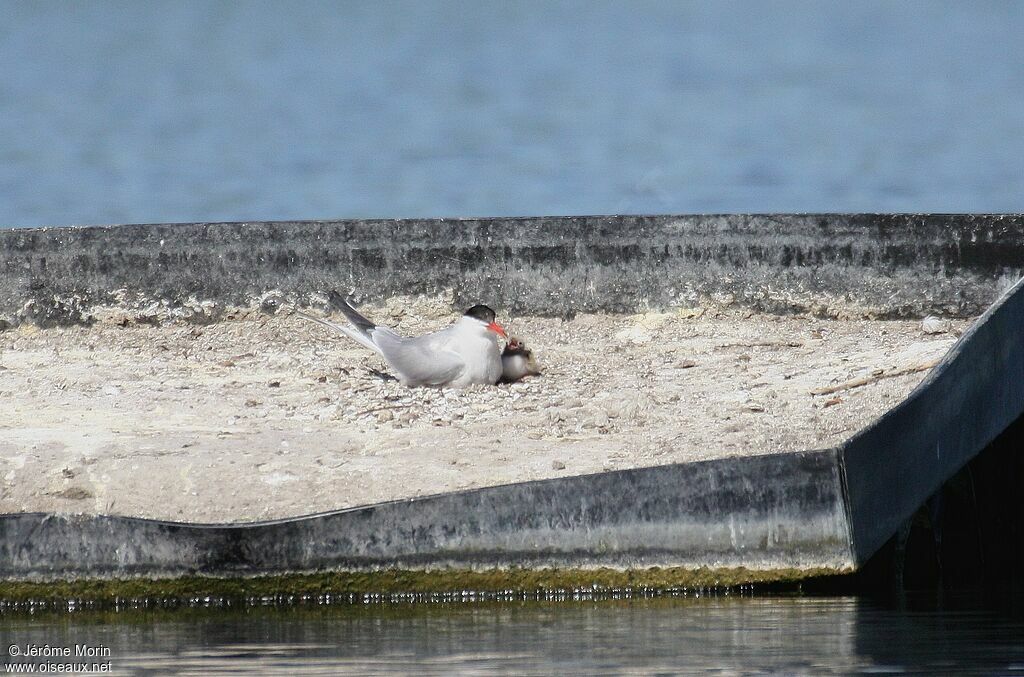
(344, 586)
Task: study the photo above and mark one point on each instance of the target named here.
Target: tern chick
(464, 354)
(517, 361)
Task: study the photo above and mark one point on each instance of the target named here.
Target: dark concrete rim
(785, 512)
(892, 466)
(553, 482)
(880, 265)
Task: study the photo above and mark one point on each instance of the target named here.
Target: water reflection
(726, 635)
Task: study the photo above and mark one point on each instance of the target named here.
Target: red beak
(497, 329)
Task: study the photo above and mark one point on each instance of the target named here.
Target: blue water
(200, 110)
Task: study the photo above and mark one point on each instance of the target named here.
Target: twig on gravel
(763, 344)
(384, 408)
(873, 378)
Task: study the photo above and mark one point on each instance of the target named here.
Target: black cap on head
(482, 313)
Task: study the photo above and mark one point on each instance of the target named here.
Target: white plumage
(463, 354)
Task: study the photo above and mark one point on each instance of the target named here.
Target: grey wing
(358, 321)
(418, 361)
(362, 324)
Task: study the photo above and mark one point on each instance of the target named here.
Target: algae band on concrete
(160, 372)
(398, 585)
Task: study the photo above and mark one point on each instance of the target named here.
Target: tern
(517, 361)
(464, 354)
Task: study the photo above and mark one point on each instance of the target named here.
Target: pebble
(595, 418)
(557, 465)
(636, 335)
(934, 325)
(631, 407)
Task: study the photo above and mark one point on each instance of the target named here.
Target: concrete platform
(803, 511)
(270, 417)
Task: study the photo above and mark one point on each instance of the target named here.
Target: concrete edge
(874, 265)
(782, 511)
(894, 465)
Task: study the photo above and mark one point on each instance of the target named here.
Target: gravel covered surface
(266, 416)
